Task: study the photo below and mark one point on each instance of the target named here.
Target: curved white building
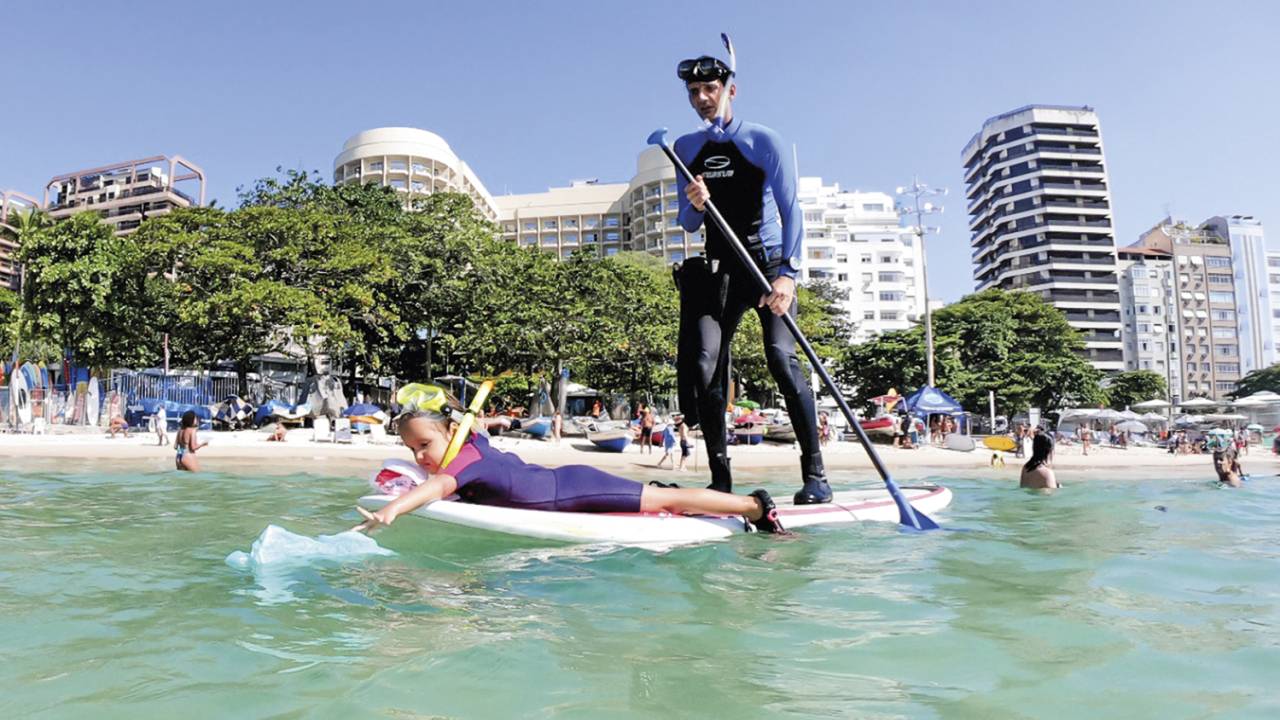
(413, 161)
(654, 206)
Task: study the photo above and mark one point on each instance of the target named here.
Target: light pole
(915, 192)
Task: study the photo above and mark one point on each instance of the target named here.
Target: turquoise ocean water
(1114, 598)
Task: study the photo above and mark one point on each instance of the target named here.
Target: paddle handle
(464, 426)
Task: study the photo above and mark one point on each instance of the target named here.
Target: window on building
(813, 217)
(612, 236)
(548, 224)
(1227, 367)
(892, 296)
(868, 297)
(867, 259)
(1219, 279)
(842, 277)
(611, 221)
(890, 277)
(1215, 261)
(868, 314)
(1225, 350)
(1221, 297)
(842, 258)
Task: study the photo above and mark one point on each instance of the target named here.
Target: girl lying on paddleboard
(484, 475)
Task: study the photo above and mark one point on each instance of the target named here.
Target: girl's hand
(374, 520)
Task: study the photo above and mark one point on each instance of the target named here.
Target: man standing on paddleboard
(746, 169)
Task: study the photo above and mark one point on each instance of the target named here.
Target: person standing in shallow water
(746, 170)
(1037, 473)
(187, 443)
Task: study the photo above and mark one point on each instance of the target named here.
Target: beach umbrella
(1150, 405)
(1219, 431)
(1130, 415)
(1225, 417)
(1107, 415)
(1255, 427)
(1132, 426)
(1200, 403)
(1185, 420)
(1154, 417)
(749, 404)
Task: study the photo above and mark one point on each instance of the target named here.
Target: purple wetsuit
(492, 477)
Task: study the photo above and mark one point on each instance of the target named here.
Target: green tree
(1012, 343)
(1264, 379)
(86, 290)
(1126, 388)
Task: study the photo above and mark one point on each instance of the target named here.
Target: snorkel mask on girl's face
(703, 69)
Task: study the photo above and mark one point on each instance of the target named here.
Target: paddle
(908, 515)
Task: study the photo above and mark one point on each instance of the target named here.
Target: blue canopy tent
(929, 400)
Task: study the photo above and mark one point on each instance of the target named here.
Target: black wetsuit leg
(714, 337)
(784, 366)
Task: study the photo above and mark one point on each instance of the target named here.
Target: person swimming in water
(483, 475)
(1037, 473)
(1227, 464)
(187, 443)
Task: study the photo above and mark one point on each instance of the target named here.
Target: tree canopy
(1012, 343)
(1127, 388)
(1264, 379)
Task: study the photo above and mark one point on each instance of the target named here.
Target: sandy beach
(229, 451)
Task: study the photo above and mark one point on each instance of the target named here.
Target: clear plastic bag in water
(277, 546)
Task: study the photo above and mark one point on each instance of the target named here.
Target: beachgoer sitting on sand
(483, 475)
(1227, 464)
(1038, 472)
(118, 424)
(279, 433)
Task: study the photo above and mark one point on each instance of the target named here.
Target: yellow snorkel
(464, 425)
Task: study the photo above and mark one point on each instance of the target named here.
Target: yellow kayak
(1000, 442)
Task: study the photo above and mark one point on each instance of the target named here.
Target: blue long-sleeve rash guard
(752, 182)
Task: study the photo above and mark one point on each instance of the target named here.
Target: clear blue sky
(535, 94)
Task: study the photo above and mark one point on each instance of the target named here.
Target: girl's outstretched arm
(436, 487)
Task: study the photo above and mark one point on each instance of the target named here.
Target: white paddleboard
(93, 403)
(21, 395)
(666, 529)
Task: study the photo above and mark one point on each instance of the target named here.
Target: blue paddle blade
(658, 137)
(910, 516)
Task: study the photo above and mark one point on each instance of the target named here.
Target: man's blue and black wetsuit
(752, 182)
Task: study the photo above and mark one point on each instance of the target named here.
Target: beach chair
(320, 430)
(378, 435)
(342, 430)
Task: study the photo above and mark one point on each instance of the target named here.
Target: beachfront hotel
(415, 162)
(1040, 216)
(1273, 287)
(12, 203)
(126, 193)
(1254, 308)
(1149, 302)
(585, 215)
(855, 241)
(1206, 296)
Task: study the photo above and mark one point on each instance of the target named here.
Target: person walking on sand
(160, 420)
(1086, 438)
(685, 444)
(747, 170)
(1037, 473)
(668, 445)
(187, 443)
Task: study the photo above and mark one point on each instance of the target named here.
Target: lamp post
(915, 192)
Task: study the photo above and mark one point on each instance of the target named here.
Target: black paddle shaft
(765, 287)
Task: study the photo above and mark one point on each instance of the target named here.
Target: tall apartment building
(854, 240)
(413, 161)
(1254, 309)
(1273, 286)
(1210, 349)
(1149, 302)
(1040, 217)
(12, 202)
(126, 193)
(585, 215)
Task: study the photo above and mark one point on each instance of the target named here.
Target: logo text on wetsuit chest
(718, 167)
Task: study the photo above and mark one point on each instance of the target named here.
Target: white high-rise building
(1040, 216)
(1149, 302)
(12, 204)
(124, 194)
(1254, 309)
(1273, 285)
(413, 161)
(854, 240)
